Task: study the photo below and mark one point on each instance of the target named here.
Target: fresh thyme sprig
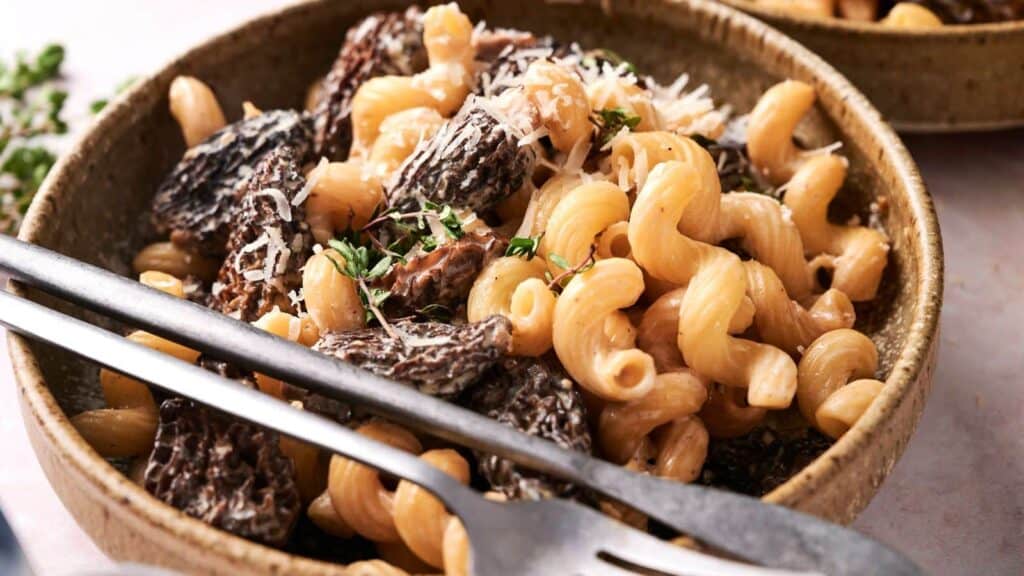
(524, 246)
(610, 121)
(568, 271)
(30, 108)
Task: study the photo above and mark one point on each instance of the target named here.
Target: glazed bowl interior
(949, 79)
(93, 207)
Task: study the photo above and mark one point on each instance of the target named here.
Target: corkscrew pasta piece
(811, 8)
(581, 216)
(399, 135)
(561, 100)
(659, 326)
(911, 16)
(332, 298)
(628, 430)
(284, 325)
(769, 236)
(515, 288)
(342, 195)
(174, 260)
(127, 426)
(825, 395)
(716, 287)
(543, 202)
(770, 129)
(195, 108)
(409, 513)
(726, 414)
(614, 241)
(594, 339)
(858, 254)
(635, 154)
(447, 34)
(783, 322)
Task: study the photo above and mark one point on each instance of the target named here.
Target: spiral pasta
(825, 395)
(637, 429)
(127, 426)
(617, 92)
(583, 213)
(858, 254)
(717, 285)
(910, 16)
(594, 339)
(515, 288)
(447, 34)
(332, 298)
(561, 100)
(770, 129)
(195, 108)
(409, 513)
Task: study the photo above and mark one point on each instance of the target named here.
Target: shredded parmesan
(314, 177)
(284, 209)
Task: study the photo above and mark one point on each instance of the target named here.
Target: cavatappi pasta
(530, 230)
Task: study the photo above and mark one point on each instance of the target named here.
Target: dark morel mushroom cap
(381, 44)
(536, 397)
(269, 242)
(473, 162)
(197, 200)
(444, 276)
(227, 473)
(436, 358)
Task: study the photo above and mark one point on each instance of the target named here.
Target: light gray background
(955, 502)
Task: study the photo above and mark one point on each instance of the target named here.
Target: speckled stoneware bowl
(92, 204)
(950, 79)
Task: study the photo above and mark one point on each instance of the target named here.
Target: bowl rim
(40, 406)
(861, 28)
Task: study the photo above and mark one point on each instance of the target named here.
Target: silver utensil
(740, 526)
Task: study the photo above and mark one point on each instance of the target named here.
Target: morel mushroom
(196, 201)
(444, 276)
(381, 44)
(269, 242)
(473, 162)
(435, 358)
(536, 397)
(227, 473)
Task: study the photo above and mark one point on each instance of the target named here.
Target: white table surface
(955, 501)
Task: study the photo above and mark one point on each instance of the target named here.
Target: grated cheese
(314, 177)
(284, 209)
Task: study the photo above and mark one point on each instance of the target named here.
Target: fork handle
(167, 372)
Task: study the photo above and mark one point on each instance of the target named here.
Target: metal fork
(740, 526)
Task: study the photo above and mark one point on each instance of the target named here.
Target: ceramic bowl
(950, 79)
(92, 204)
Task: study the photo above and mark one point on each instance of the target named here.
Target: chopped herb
(525, 247)
(610, 121)
(448, 218)
(559, 261)
(558, 282)
(30, 108)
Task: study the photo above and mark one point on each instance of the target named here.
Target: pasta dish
(531, 229)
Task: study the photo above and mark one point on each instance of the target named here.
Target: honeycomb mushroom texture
(227, 473)
(381, 44)
(508, 53)
(196, 201)
(474, 161)
(443, 276)
(269, 242)
(536, 397)
(974, 11)
(435, 358)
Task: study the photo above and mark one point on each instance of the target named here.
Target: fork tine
(645, 550)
